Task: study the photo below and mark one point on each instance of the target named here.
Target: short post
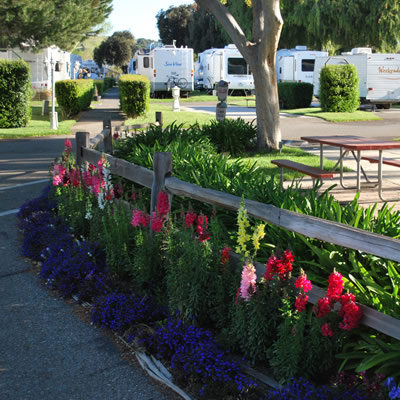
(175, 94)
(82, 140)
(159, 118)
(222, 96)
(45, 107)
(162, 167)
(108, 146)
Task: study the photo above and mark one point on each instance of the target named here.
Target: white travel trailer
(379, 74)
(225, 64)
(90, 70)
(296, 64)
(166, 67)
(40, 63)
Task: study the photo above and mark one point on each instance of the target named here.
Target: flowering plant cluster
(158, 218)
(337, 303)
(192, 352)
(64, 170)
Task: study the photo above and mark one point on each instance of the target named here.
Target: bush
(74, 96)
(15, 94)
(295, 94)
(134, 93)
(99, 84)
(339, 90)
(232, 136)
(108, 83)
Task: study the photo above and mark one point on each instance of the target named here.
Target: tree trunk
(268, 122)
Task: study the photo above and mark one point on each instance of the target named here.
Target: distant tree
(341, 24)
(205, 32)
(142, 44)
(51, 22)
(116, 50)
(173, 24)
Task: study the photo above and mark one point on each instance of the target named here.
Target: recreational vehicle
(379, 74)
(40, 63)
(166, 67)
(90, 70)
(296, 64)
(225, 64)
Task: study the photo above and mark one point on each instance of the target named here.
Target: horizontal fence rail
(309, 226)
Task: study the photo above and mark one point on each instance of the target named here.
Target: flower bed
(167, 284)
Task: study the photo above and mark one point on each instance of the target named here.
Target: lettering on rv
(172, 64)
(388, 70)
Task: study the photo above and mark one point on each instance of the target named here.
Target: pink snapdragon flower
(139, 218)
(162, 204)
(248, 283)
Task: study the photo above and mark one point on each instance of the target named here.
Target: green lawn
(186, 118)
(335, 117)
(263, 161)
(38, 125)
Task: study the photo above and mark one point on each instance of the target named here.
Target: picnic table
(356, 145)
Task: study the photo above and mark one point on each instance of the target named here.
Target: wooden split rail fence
(161, 179)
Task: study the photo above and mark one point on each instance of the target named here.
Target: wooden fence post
(82, 140)
(159, 117)
(108, 137)
(162, 167)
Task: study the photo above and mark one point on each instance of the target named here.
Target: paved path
(46, 351)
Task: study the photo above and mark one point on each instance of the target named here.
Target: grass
(333, 116)
(186, 118)
(263, 161)
(39, 125)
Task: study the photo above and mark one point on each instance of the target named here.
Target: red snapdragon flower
(225, 255)
(327, 330)
(156, 222)
(139, 218)
(303, 283)
(335, 286)
(281, 266)
(323, 307)
(301, 302)
(191, 217)
(162, 204)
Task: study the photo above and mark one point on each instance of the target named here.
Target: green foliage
(234, 136)
(134, 94)
(205, 32)
(74, 96)
(295, 94)
(115, 50)
(108, 83)
(60, 23)
(15, 94)
(198, 284)
(372, 351)
(340, 25)
(173, 24)
(99, 83)
(339, 90)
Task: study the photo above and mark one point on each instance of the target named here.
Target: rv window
(237, 66)
(307, 65)
(146, 62)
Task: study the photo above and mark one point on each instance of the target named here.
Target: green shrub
(15, 94)
(295, 94)
(108, 83)
(134, 94)
(74, 96)
(232, 136)
(339, 90)
(100, 86)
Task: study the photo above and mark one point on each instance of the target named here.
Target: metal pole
(54, 116)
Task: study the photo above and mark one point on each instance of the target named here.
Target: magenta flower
(248, 283)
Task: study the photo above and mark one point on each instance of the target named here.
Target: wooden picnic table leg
(358, 159)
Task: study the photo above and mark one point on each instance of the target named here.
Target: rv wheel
(182, 83)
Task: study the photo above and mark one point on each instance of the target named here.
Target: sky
(139, 16)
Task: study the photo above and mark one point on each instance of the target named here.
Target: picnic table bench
(314, 173)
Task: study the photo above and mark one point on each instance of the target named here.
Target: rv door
(287, 68)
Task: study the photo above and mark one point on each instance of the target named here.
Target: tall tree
(173, 24)
(341, 24)
(48, 22)
(205, 32)
(116, 50)
(260, 54)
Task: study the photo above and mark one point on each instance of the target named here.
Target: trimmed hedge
(15, 94)
(100, 86)
(134, 94)
(74, 96)
(339, 90)
(295, 94)
(108, 83)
